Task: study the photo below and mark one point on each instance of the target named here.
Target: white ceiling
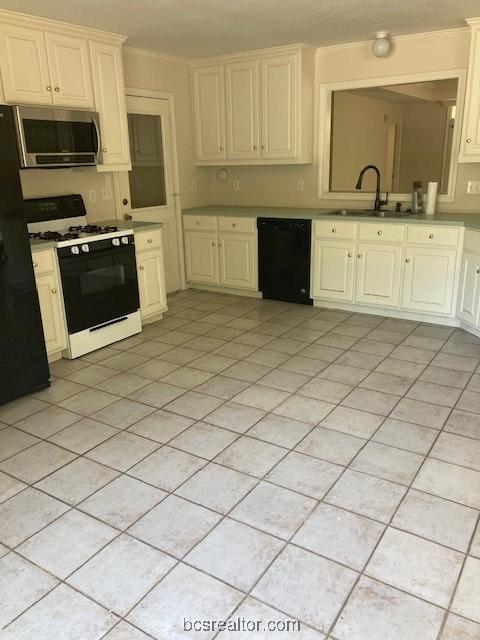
(195, 28)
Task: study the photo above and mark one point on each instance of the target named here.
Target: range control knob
(116, 242)
(85, 248)
(75, 250)
(124, 239)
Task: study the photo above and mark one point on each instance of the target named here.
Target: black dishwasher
(284, 259)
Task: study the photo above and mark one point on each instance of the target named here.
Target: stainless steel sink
(371, 213)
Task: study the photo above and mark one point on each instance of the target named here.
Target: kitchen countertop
(470, 221)
(42, 245)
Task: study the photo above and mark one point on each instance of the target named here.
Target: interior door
(147, 191)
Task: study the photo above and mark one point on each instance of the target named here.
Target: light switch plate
(300, 185)
(236, 185)
(473, 187)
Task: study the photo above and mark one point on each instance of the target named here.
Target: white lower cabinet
(151, 275)
(429, 279)
(201, 257)
(378, 274)
(228, 259)
(51, 304)
(333, 270)
(238, 260)
(469, 292)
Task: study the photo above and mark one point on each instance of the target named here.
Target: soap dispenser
(417, 197)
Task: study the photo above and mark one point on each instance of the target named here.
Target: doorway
(147, 192)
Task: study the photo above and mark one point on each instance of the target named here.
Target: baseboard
(229, 290)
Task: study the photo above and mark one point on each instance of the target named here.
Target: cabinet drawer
(242, 225)
(43, 261)
(199, 223)
(148, 239)
(335, 230)
(433, 235)
(373, 232)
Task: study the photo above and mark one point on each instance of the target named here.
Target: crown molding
(47, 24)
(148, 53)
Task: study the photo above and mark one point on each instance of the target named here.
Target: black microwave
(50, 137)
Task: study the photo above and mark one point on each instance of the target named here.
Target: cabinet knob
(220, 148)
(141, 267)
(213, 244)
(219, 244)
(469, 140)
(334, 230)
(478, 271)
(359, 255)
(234, 224)
(57, 89)
(197, 222)
(149, 241)
(35, 264)
(430, 236)
(54, 291)
(125, 201)
(263, 147)
(104, 150)
(49, 88)
(379, 233)
(407, 260)
(254, 147)
(350, 255)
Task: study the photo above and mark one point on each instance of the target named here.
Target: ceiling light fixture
(381, 45)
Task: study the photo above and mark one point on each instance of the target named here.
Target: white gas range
(98, 272)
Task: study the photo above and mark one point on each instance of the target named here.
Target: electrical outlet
(236, 185)
(194, 185)
(106, 193)
(92, 195)
(473, 187)
(299, 185)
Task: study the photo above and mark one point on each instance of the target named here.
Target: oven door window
(103, 279)
(99, 287)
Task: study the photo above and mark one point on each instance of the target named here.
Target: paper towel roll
(431, 198)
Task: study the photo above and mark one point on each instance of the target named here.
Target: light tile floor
(252, 459)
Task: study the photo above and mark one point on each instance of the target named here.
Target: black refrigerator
(23, 358)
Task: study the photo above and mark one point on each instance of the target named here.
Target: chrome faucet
(378, 201)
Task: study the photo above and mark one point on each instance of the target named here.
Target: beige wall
(359, 134)
(423, 143)
(37, 183)
(144, 70)
(276, 185)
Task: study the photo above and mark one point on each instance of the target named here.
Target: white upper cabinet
(24, 65)
(209, 108)
(470, 147)
(260, 103)
(109, 91)
(243, 134)
(280, 99)
(45, 68)
(70, 75)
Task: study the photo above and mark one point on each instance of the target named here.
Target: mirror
(406, 130)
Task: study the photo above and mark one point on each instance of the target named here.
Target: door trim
(169, 97)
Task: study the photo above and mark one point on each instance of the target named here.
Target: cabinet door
(470, 146)
(242, 110)
(209, 112)
(69, 64)
(428, 280)
(23, 61)
(151, 283)
(280, 97)
(201, 257)
(110, 103)
(332, 270)
(51, 312)
(238, 260)
(469, 292)
(378, 274)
